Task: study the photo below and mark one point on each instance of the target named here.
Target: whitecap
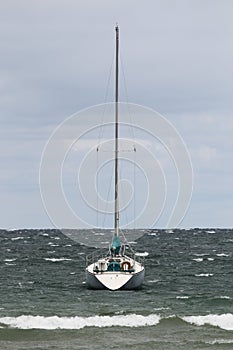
(57, 259)
(153, 281)
(222, 254)
(182, 297)
(10, 264)
(169, 231)
(142, 254)
(204, 275)
(76, 322)
(17, 238)
(210, 259)
(198, 259)
(224, 321)
(161, 308)
(219, 341)
(224, 297)
(9, 260)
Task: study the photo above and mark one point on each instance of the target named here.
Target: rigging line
(133, 138)
(127, 101)
(134, 191)
(123, 196)
(109, 189)
(97, 188)
(134, 199)
(105, 99)
(126, 241)
(101, 131)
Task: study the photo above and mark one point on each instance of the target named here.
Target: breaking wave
(224, 321)
(55, 322)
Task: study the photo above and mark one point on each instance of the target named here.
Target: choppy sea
(186, 301)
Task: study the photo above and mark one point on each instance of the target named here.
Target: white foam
(153, 281)
(222, 254)
(55, 322)
(53, 245)
(182, 297)
(17, 238)
(9, 260)
(9, 264)
(142, 254)
(224, 297)
(224, 321)
(219, 341)
(204, 275)
(200, 254)
(210, 259)
(198, 259)
(57, 259)
(161, 308)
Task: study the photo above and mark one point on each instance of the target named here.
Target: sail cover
(116, 245)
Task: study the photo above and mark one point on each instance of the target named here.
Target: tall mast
(116, 220)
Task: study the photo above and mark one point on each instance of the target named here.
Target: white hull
(133, 282)
(115, 280)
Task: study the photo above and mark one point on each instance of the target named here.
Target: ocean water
(186, 301)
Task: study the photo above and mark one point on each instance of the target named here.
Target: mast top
(117, 30)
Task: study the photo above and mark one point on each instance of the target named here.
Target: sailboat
(116, 270)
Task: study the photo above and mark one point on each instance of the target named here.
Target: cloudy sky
(55, 58)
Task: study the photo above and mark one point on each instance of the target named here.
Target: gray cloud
(56, 57)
